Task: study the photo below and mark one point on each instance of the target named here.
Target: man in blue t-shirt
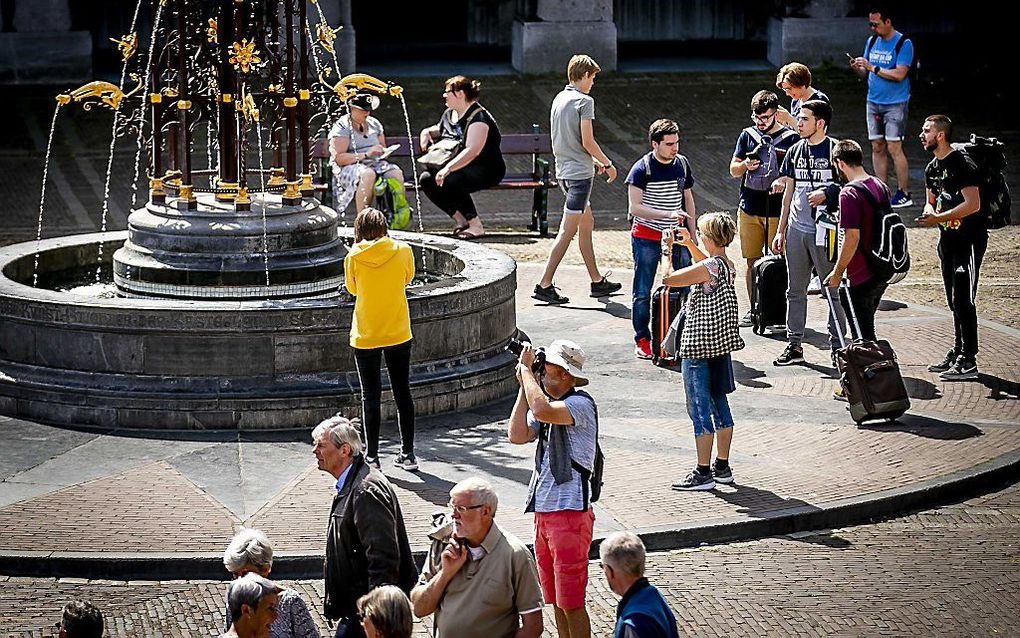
(757, 165)
(887, 57)
(807, 226)
(659, 195)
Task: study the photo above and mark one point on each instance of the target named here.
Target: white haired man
(366, 543)
(483, 582)
(642, 612)
(564, 420)
(252, 601)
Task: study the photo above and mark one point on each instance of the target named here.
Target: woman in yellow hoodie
(376, 271)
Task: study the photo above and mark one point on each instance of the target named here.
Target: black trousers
(455, 193)
(865, 299)
(961, 264)
(398, 364)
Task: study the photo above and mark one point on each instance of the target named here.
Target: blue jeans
(647, 254)
(707, 406)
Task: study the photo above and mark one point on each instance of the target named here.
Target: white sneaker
(815, 287)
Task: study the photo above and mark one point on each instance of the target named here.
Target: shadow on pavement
(745, 375)
(613, 308)
(430, 488)
(922, 389)
(927, 427)
(1000, 389)
(889, 304)
(757, 502)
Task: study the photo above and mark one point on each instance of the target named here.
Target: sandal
(467, 235)
(458, 230)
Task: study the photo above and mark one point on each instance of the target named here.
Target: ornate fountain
(224, 309)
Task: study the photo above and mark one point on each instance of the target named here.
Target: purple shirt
(856, 212)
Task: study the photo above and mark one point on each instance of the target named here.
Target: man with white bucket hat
(564, 421)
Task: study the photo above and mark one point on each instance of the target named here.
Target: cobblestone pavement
(711, 109)
(795, 447)
(945, 571)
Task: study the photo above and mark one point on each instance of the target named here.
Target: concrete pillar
(561, 29)
(338, 13)
(825, 35)
(43, 49)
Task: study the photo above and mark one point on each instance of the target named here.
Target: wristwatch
(875, 70)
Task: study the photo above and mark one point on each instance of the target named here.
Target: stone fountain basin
(136, 363)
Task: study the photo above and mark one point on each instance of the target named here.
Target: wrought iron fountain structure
(228, 314)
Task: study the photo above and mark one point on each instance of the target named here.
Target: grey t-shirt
(811, 168)
(568, 109)
(359, 141)
(550, 497)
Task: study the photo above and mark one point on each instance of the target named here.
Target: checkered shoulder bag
(711, 328)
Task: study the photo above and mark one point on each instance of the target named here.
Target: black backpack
(591, 482)
(888, 255)
(990, 156)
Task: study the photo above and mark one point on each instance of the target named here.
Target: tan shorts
(752, 233)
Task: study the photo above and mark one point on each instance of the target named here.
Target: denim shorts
(888, 121)
(707, 404)
(578, 192)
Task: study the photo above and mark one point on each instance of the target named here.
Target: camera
(515, 346)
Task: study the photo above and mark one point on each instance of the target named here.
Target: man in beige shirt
(483, 582)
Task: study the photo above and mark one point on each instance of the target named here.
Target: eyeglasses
(874, 25)
(463, 509)
(762, 118)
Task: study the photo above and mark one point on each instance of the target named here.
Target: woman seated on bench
(356, 143)
(478, 165)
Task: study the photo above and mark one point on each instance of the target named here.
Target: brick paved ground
(945, 571)
(794, 447)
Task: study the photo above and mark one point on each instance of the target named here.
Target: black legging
(398, 363)
(865, 299)
(455, 193)
(961, 263)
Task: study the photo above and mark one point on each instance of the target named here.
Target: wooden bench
(538, 179)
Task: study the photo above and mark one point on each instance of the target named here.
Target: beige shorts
(753, 231)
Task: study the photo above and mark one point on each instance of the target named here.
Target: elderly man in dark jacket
(366, 544)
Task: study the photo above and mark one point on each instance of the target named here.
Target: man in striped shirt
(659, 195)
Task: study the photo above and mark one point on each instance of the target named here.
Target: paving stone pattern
(945, 571)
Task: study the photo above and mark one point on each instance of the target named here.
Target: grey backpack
(764, 151)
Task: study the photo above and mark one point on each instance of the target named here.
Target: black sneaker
(724, 475)
(549, 295)
(695, 481)
(373, 461)
(793, 354)
(604, 287)
(406, 462)
(945, 364)
(963, 369)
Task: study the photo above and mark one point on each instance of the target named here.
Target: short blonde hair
(579, 65)
(389, 609)
(719, 227)
(795, 74)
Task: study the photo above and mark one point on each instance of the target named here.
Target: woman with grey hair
(385, 613)
(251, 552)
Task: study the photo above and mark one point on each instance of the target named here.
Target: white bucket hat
(569, 356)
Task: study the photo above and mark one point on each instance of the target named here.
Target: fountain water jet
(196, 338)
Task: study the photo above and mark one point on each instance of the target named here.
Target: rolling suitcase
(666, 304)
(768, 293)
(869, 374)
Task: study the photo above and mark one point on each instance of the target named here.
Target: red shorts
(562, 540)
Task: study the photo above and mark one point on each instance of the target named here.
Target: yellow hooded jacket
(376, 273)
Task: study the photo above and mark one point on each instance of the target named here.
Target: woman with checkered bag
(710, 333)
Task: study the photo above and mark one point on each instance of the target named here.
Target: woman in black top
(478, 166)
